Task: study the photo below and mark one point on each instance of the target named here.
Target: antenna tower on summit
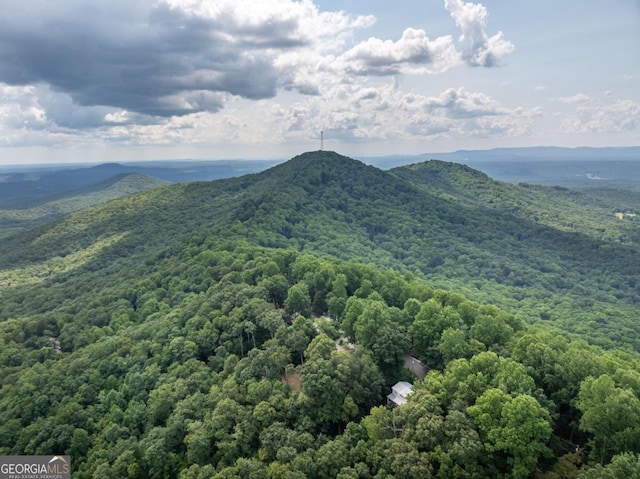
(321, 140)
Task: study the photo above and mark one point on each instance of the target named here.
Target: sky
(132, 80)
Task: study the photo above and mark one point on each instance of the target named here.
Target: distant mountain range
(571, 167)
(32, 206)
(32, 185)
(536, 153)
(28, 186)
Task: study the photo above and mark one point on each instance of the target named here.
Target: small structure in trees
(399, 393)
(415, 366)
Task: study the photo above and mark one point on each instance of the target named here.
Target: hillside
(119, 185)
(590, 211)
(551, 166)
(28, 186)
(525, 249)
(252, 327)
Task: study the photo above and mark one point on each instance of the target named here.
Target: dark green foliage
(202, 331)
(20, 212)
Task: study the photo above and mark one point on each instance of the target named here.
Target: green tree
(426, 330)
(320, 347)
(298, 300)
(492, 331)
(379, 424)
(454, 345)
(611, 414)
(376, 330)
(422, 420)
(625, 465)
(337, 297)
(276, 289)
(518, 426)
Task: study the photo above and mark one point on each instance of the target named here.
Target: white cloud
(480, 49)
(386, 113)
(412, 53)
(577, 98)
(19, 108)
(623, 115)
(458, 103)
(168, 57)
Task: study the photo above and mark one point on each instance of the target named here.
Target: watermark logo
(35, 467)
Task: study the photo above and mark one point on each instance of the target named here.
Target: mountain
(20, 190)
(510, 155)
(589, 211)
(253, 327)
(116, 186)
(539, 253)
(569, 167)
(32, 185)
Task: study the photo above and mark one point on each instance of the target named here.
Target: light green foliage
(624, 465)
(339, 387)
(518, 426)
(337, 297)
(320, 347)
(379, 424)
(611, 414)
(422, 421)
(466, 380)
(454, 345)
(376, 329)
(164, 344)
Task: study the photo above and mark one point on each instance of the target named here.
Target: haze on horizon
(118, 80)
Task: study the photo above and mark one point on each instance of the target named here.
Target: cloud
(577, 98)
(351, 114)
(623, 115)
(385, 57)
(159, 72)
(459, 103)
(480, 49)
(19, 109)
(347, 113)
(416, 53)
(164, 58)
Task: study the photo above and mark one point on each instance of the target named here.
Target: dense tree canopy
(238, 345)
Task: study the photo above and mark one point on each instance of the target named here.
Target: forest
(252, 328)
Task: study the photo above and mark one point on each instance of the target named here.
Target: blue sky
(115, 80)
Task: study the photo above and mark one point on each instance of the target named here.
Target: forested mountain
(48, 204)
(28, 186)
(194, 330)
(552, 166)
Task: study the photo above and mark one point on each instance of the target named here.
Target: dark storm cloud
(156, 60)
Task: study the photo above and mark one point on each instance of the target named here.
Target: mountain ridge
(62, 203)
(336, 206)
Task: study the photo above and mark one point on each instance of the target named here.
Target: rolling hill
(54, 205)
(28, 186)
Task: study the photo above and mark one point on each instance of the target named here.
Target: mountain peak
(322, 155)
(319, 162)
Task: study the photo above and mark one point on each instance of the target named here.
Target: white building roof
(399, 393)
